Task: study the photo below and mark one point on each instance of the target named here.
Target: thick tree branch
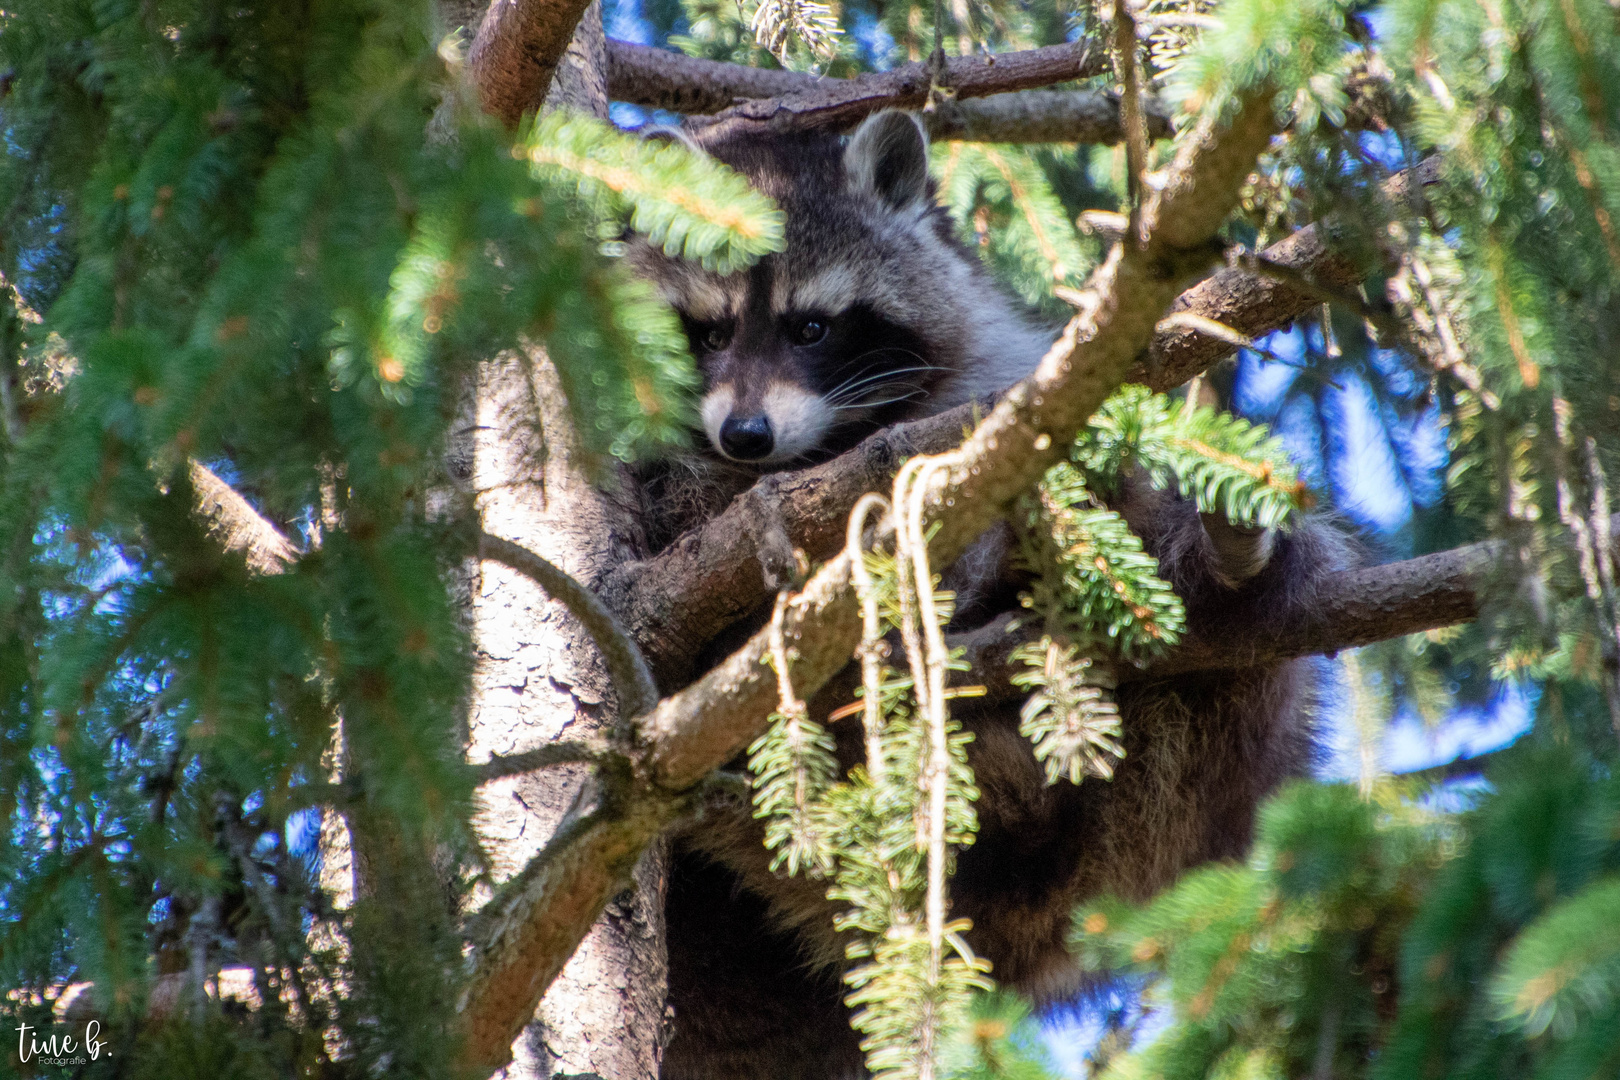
(698, 730)
(1347, 610)
(1041, 116)
(679, 600)
(526, 933)
(516, 52)
(632, 679)
(661, 79)
(835, 105)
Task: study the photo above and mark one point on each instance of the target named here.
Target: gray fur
(754, 961)
(887, 158)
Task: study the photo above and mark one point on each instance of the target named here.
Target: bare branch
(837, 105)
(526, 933)
(236, 525)
(701, 728)
(1041, 116)
(661, 79)
(516, 52)
(557, 753)
(632, 679)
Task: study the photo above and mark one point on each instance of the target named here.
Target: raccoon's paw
(1241, 551)
(986, 578)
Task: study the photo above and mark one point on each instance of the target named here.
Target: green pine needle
(689, 204)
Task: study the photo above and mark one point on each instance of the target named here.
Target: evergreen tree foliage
(269, 243)
(1386, 939)
(233, 238)
(1009, 210)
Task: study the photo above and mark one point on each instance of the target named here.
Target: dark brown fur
(1201, 752)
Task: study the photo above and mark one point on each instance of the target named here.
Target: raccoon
(872, 314)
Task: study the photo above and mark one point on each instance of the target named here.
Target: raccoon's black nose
(747, 438)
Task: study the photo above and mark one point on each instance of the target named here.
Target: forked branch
(836, 105)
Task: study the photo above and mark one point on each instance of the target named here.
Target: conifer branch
(516, 52)
(632, 679)
(838, 105)
(1253, 304)
(662, 79)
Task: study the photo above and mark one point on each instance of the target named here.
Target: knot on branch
(1177, 265)
(780, 563)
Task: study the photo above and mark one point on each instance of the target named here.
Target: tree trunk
(539, 678)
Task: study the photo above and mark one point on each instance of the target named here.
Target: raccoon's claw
(1241, 551)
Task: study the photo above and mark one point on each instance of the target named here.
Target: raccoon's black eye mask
(707, 336)
(801, 330)
(808, 329)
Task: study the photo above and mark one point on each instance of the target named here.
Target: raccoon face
(780, 386)
(870, 315)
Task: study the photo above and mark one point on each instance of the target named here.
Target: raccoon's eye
(809, 331)
(716, 338)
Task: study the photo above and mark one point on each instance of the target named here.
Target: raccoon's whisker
(879, 404)
(911, 391)
(921, 365)
(854, 383)
(861, 401)
(847, 389)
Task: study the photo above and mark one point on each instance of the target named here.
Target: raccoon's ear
(888, 157)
